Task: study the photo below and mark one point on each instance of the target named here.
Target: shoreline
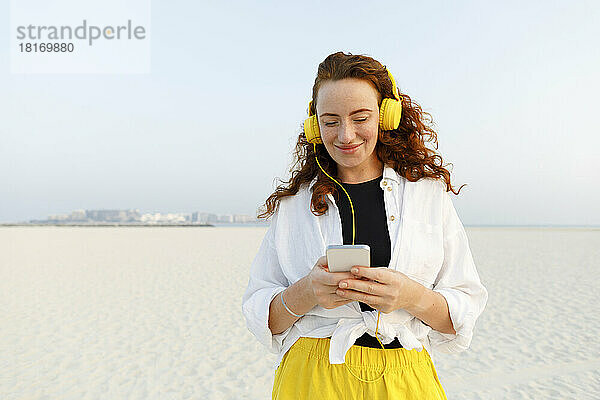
(119, 225)
(114, 225)
(253, 225)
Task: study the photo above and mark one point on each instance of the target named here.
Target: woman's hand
(324, 285)
(384, 289)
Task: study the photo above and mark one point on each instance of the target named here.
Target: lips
(348, 147)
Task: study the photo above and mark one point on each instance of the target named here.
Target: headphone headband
(394, 91)
(394, 88)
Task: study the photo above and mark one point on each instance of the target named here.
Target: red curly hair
(403, 148)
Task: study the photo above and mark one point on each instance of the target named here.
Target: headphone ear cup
(390, 114)
(311, 130)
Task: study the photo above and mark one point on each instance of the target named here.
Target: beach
(155, 313)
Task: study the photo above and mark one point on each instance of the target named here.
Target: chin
(349, 163)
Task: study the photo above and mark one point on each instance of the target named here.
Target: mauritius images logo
(84, 33)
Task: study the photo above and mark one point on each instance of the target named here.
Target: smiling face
(348, 115)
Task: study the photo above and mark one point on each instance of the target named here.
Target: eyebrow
(352, 113)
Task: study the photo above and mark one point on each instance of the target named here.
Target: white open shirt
(428, 244)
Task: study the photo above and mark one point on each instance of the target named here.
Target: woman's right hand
(324, 285)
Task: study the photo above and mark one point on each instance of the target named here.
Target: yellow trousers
(305, 373)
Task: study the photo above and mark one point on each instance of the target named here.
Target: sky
(511, 87)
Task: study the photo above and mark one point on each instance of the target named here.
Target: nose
(346, 133)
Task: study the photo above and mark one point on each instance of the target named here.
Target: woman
(363, 175)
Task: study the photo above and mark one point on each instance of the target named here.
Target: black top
(370, 229)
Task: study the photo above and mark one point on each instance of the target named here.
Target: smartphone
(341, 258)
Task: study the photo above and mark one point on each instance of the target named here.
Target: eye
(330, 123)
(361, 119)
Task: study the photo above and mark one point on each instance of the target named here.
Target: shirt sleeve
(459, 283)
(266, 281)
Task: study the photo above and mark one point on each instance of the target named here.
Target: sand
(155, 313)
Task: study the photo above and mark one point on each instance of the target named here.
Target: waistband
(363, 357)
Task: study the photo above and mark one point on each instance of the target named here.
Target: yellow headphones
(390, 113)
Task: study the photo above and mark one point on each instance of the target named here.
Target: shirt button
(384, 183)
(392, 218)
(389, 188)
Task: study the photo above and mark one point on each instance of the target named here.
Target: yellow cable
(351, 206)
(378, 312)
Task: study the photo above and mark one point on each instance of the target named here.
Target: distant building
(206, 218)
(225, 218)
(78, 215)
(243, 218)
(58, 217)
(134, 216)
(170, 218)
(113, 215)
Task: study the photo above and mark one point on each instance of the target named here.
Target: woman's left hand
(384, 289)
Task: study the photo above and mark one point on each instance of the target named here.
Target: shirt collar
(389, 174)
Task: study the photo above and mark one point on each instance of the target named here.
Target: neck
(360, 173)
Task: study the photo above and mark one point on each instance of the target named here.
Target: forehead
(349, 91)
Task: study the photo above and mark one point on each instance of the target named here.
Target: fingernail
(343, 284)
(355, 270)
